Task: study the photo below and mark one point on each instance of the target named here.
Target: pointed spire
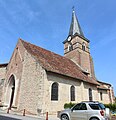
(75, 26)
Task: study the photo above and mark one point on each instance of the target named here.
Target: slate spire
(75, 26)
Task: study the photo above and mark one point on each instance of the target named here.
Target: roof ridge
(39, 47)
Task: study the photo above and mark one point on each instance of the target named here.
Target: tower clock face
(69, 38)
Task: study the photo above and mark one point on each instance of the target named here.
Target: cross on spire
(73, 8)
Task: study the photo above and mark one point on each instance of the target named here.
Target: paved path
(113, 117)
(5, 116)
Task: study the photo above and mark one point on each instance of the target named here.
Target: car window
(80, 106)
(77, 107)
(95, 106)
(83, 107)
(102, 106)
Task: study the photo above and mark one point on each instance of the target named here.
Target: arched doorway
(10, 91)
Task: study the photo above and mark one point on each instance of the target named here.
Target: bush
(69, 105)
(112, 107)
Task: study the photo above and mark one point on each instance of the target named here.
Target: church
(36, 79)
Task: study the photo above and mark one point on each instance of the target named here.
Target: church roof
(53, 62)
(75, 26)
(102, 87)
(3, 65)
(103, 83)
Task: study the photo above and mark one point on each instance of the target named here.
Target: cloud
(19, 11)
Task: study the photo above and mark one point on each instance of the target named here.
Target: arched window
(72, 93)
(90, 94)
(101, 97)
(70, 46)
(54, 91)
(83, 46)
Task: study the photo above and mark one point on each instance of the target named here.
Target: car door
(79, 112)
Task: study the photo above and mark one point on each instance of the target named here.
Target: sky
(46, 23)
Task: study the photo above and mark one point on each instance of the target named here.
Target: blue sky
(46, 23)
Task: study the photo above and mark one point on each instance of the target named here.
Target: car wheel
(94, 119)
(64, 117)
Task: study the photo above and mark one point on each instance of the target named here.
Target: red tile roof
(56, 63)
(103, 83)
(3, 65)
(102, 87)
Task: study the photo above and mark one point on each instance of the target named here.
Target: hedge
(69, 105)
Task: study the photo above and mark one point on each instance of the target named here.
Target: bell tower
(76, 47)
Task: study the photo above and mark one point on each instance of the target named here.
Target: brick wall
(77, 55)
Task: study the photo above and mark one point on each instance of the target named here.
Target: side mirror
(72, 110)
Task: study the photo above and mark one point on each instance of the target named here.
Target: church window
(90, 94)
(70, 47)
(83, 46)
(54, 91)
(72, 93)
(101, 97)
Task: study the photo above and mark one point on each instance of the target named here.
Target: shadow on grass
(7, 118)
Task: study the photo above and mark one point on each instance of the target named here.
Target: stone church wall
(64, 83)
(2, 72)
(2, 78)
(14, 68)
(32, 85)
(105, 96)
(94, 92)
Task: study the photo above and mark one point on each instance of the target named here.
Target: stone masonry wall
(32, 85)
(2, 72)
(14, 68)
(105, 96)
(2, 78)
(64, 83)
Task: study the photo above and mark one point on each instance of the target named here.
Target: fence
(25, 112)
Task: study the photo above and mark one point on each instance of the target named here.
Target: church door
(10, 91)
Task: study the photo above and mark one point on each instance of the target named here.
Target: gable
(15, 64)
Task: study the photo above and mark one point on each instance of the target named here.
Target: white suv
(86, 111)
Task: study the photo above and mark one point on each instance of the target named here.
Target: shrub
(69, 105)
(112, 107)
